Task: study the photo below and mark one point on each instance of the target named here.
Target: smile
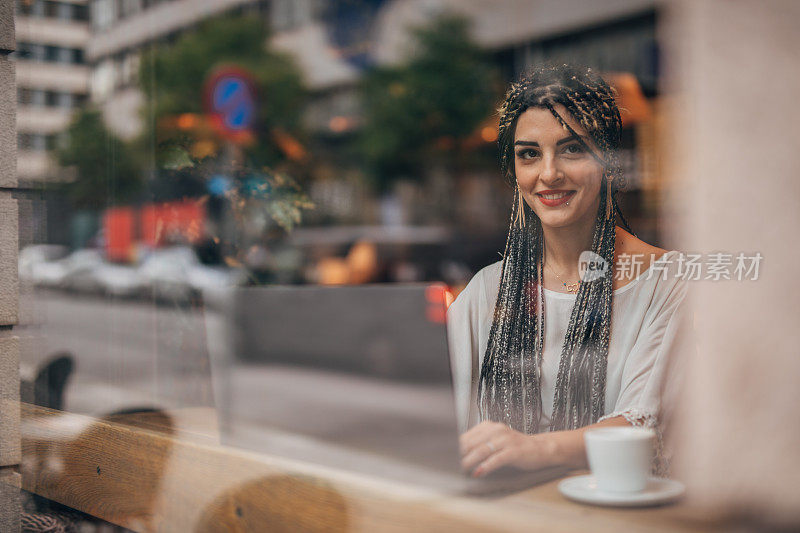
(555, 198)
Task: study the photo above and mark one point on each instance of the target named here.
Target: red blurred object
(435, 293)
(170, 222)
(439, 299)
(119, 225)
(436, 314)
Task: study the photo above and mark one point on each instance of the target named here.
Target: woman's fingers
(494, 461)
(490, 445)
(479, 435)
(477, 455)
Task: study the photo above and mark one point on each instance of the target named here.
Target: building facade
(121, 29)
(52, 80)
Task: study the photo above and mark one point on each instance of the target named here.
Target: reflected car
(81, 268)
(39, 264)
(120, 280)
(166, 272)
(204, 277)
(176, 274)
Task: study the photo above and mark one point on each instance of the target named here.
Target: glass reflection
(242, 220)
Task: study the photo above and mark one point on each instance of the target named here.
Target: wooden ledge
(137, 474)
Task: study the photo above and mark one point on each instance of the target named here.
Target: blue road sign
(233, 101)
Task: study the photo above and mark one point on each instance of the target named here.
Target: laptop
(356, 378)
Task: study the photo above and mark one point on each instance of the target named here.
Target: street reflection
(242, 224)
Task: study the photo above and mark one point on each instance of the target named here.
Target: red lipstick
(556, 197)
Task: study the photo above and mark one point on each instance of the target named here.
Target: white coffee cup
(620, 457)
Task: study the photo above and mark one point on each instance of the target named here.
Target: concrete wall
(9, 293)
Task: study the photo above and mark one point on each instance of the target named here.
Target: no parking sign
(230, 102)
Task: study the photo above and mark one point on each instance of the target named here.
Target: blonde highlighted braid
(509, 389)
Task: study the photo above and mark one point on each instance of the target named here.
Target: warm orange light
(188, 121)
(232, 262)
(632, 103)
(436, 314)
(489, 134)
(289, 145)
(435, 293)
(362, 261)
(439, 299)
(449, 297)
(203, 149)
(339, 124)
(333, 271)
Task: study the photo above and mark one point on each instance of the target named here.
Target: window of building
(23, 96)
(80, 12)
(38, 142)
(38, 98)
(64, 55)
(64, 11)
(23, 141)
(104, 12)
(130, 7)
(65, 100)
(37, 52)
(41, 98)
(38, 8)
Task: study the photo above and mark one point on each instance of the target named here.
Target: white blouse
(647, 315)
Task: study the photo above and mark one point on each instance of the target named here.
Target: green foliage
(424, 109)
(274, 193)
(172, 78)
(106, 172)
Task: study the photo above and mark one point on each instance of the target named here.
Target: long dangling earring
(609, 207)
(520, 208)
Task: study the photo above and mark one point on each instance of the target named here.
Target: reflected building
(335, 42)
(121, 29)
(52, 80)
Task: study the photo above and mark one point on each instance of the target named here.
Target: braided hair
(509, 389)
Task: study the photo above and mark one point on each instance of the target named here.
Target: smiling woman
(528, 385)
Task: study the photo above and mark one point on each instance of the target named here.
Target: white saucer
(584, 489)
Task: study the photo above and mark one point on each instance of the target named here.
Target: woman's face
(558, 178)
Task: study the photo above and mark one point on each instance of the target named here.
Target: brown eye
(527, 154)
(574, 149)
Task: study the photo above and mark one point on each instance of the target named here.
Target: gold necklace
(572, 288)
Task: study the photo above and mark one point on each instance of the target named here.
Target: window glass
(64, 10)
(247, 219)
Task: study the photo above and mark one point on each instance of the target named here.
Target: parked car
(166, 272)
(176, 274)
(39, 265)
(81, 268)
(120, 280)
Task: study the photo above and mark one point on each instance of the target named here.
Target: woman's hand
(490, 445)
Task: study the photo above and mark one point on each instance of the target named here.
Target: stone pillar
(9, 293)
(735, 80)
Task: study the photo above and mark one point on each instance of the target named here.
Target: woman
(540, 354)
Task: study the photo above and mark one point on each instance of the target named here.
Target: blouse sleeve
(646, 364)
(463, 323)
(646, 367)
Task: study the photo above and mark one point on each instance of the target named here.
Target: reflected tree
(421, 113)
(104, 168)
(172, 78)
